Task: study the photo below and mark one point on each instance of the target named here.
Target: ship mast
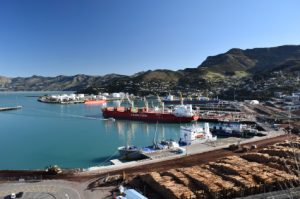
(181, 99)
(122, 99)
(162, 104)
(130, 101)
(146, 104)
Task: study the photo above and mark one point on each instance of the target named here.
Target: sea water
(71, 136)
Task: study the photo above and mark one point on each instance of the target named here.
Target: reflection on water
(131, 130)
(68, 135)
(116, 103)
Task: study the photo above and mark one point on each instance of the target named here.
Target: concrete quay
(190, 150)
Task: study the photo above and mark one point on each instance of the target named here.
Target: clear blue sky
(53, 37)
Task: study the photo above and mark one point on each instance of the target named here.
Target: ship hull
(148, 116)
(89, 102)
(127, 154)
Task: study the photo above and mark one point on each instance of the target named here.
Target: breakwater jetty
(10, 108)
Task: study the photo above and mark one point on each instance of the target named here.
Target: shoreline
(194, 156)
(196, 149)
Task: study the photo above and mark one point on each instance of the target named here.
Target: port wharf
(72, 98)
(76, 184)
(10, 108)
(195, 149)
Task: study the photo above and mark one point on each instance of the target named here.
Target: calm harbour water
(70, 136)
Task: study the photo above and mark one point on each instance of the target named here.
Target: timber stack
(270, 169)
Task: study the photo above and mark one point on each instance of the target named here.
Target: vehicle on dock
(195, 134)
(53, 170)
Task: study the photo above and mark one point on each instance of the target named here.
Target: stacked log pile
(289, 165)
(294, 144)
(213, 185)
(233, 176)
(237, 175)
(264, 175)
(179, 177)
(282, 151)
(167, 186)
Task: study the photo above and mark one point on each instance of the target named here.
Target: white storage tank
(170, 98)
(72, 96)
(254, 102)
(80, 95)
(116, 95)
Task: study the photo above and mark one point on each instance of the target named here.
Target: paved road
(285, 194)
(40, 190)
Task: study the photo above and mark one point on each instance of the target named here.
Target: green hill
(230, 66)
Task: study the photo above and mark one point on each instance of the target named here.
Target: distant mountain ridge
(252, 60)
(235, 63)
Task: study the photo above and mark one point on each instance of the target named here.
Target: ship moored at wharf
(94, 101)
(180, 114)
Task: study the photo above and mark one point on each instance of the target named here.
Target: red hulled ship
(95, 101)
(180, 114)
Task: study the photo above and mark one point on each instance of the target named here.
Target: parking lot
(40, 190)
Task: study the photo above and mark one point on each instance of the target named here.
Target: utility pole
(234, 94)
(289, 132)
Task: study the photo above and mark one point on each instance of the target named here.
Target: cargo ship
(180, 114)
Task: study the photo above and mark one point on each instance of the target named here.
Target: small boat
(195, 134)
(130, 152)
(95, 101)
(162, 145)
(136, 153)
(229, 129)
(234, 129)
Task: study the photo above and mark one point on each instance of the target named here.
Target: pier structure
(10, 108)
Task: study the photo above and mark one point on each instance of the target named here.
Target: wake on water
(62, 115)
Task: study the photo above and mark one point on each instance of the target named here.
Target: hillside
(251, 61)
(159, 75)
(231, 66)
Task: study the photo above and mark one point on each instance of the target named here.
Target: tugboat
(234, 129)
(94, 101)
